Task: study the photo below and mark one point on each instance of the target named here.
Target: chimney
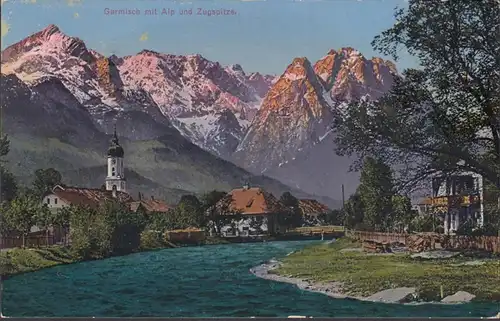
(246, 186)
(140, 196)
(152, 198)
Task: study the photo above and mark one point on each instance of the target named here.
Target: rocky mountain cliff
(291, 136)
(277, 126)
(60, 99)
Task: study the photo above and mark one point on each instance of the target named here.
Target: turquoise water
(209, 281)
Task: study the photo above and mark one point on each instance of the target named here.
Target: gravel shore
(334, 289)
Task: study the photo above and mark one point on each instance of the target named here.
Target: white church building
(115, 184)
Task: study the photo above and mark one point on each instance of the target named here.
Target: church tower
(115, 179)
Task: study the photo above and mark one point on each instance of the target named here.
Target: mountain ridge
(220, 109)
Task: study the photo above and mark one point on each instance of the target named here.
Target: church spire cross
(115, 135)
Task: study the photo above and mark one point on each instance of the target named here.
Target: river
(208, 281)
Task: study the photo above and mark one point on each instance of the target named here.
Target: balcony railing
(452, 201)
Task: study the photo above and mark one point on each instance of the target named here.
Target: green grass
(364, 274)
(15, 261)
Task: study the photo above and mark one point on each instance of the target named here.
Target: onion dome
(115, 150)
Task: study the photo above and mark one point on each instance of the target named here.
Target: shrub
(152, 240)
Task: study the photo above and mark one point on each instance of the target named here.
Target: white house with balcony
(458, 198)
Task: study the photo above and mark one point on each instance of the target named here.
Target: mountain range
(187, 124)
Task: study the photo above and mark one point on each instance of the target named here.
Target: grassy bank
(15, 261)
(364, 274)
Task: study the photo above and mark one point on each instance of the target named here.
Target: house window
(55, 200)
(48, 200)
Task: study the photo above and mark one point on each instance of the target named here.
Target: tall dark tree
(189, 212)
(293, 216)
(8, 184)
(376, 191)
(45, 180)
(402, 213)
(210, 210)
(446, 115)
(354, 211)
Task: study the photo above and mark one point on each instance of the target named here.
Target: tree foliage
(22, 213)
(403, 214)
(376, 191)
(8, 184)
(446, 115)
(333, 217)
(354, 211)
(45, 180)
(292, 217)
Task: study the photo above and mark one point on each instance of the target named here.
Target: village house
(250, 211)
(149, 205)
(457, 199)
(92, 197)
(311, 210)
(114, 188)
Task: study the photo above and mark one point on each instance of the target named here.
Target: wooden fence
(185, 236)
(32, 240)
(451, 242)
(317, 229)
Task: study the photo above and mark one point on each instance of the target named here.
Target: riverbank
(17, 260)
(342, 270)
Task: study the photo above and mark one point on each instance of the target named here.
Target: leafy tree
(376, 191)
(446, 116)
(122, 226)
(403, 214)
(223, 214)
(61, 219)
(8, 184)
(82, 231)
(44, 219)
(293, 216)
(21, 215)
(161, 222)
(427, 223)
(209, 205)
(336, 217)
(151, 239)
(189, 212)
(491, 211)
(211, 198)
(45, 180)
(354, 211)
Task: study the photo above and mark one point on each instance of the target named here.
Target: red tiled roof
(309, 207)
(253, 201)
(91, 197)
(150, 206)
